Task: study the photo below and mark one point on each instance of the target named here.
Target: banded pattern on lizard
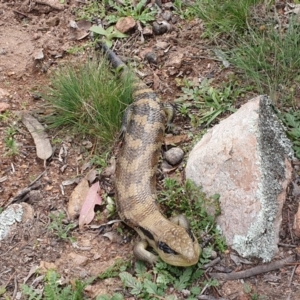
(143, 130)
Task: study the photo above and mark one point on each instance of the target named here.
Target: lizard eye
(189, 232)
(165, 248)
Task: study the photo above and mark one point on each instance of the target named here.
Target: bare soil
(34, 38)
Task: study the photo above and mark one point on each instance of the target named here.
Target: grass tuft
(90, 100)
(270, 59)
(224, 17)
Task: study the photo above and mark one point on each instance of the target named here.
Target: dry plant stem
(254, 271)
(140, 29)
(293, 272)
(50, 3)
(20, 196)
(211, 263)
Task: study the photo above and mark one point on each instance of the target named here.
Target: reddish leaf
(87, 210)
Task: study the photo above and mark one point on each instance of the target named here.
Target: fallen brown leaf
(77, 198)
(87, 210)
(37, 131)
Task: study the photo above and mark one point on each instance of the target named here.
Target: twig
(140, 29)
(21, 13)
(290, 227)
(211, 263)
(293, 272)
(15, 288)
(287, 245)
(39, 177)
(254, 271)
(23, 193)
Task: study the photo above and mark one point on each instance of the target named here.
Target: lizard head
(178, 246)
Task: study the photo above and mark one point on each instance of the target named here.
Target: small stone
(161, 27)
(38, 54)
(77, 260)
(151, 57)
(167, 15)
(175, 60)
(174, 156)
(147, 30)
(125, 24)
(87, 144)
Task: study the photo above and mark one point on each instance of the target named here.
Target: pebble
(174, 156)
(161, 28)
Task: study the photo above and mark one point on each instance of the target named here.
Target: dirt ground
(34, 38)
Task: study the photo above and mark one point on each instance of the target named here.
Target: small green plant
(292, 122)
(184, 10)
(92, 9)
(10, 142)
(60, 229)
(154, 284)
(108, 34)
(139, 12)
(53, 290)
(224, 17)
(204, 104)
(113, 271)
(251, 293)
(89, 100)
(192, 202)
(115, 296)
(270, 60)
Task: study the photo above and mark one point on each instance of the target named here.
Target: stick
(23, 193)
(51, 3)
(254, 271)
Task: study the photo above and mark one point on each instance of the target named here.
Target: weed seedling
(10, 142)
(60, 229)
(292, 122)
(54, 291)
(204, 104)
(139, 12)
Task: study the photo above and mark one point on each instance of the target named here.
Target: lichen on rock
(274, 148)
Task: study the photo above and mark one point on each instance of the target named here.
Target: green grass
(270, 59)
(90, 100)
(224, 16)
(205, 104)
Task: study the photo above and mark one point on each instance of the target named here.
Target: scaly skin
(136, 168)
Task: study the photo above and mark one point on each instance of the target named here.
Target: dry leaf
(176, 139)
(77, 198)
(42, 143)
(87, 210)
